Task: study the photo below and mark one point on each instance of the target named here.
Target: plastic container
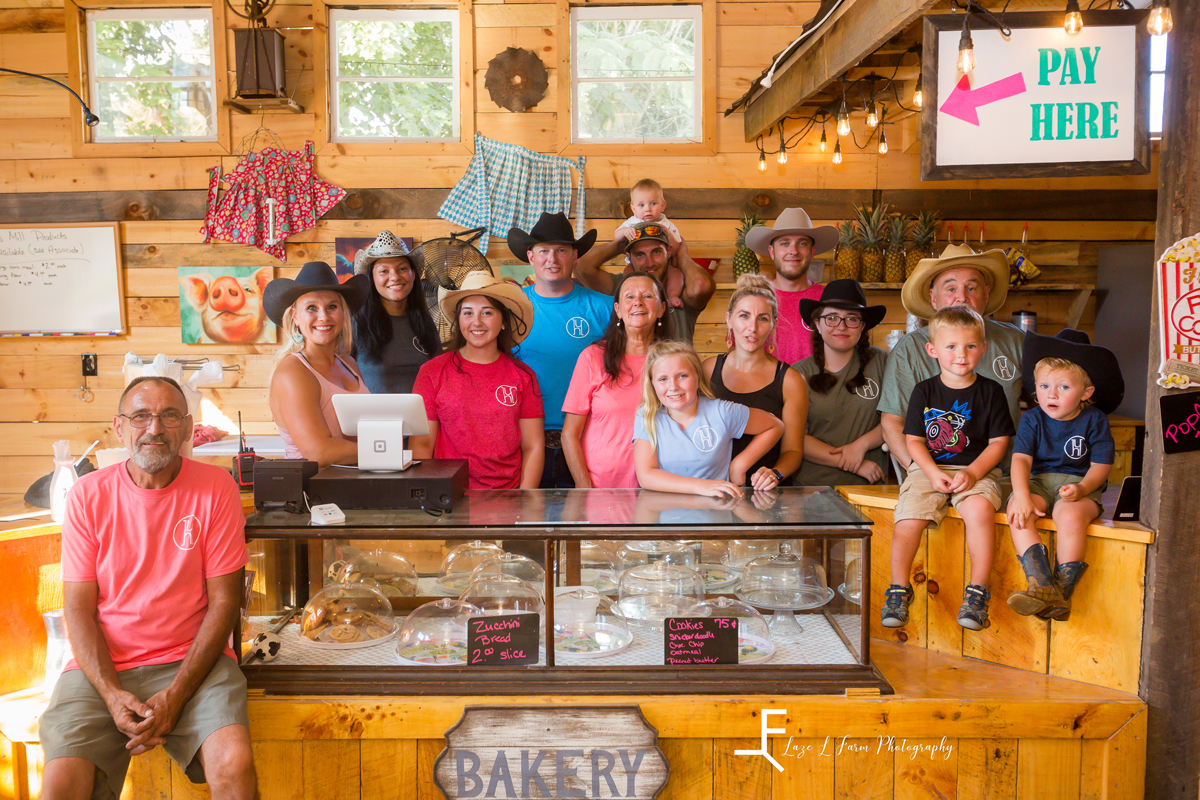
(435, 634)
(514, 566)
(63, 479)
(460, 562)
(637, 554)
(347, 615)
(754, 636)
(495, 595)
(589, 625)
(597, 566)
(651, 593)
(390, 573)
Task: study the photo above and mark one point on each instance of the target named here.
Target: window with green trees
(151, 74)
(636, 74)
(394, 75)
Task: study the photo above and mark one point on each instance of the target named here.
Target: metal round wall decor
(516, 79)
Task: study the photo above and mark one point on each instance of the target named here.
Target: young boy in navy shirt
(957, 430)
(1061, 459)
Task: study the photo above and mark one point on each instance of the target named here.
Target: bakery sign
(1039, 103)
(539, 751)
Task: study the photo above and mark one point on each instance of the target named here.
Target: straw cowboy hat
(993, 265)
(499, 289)
(550, 229)
(1098, 362)
(386, 245)
(793, 221)
(845, 294)
(315, 276)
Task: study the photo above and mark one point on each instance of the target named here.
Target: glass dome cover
(589, 625)
(754, 636)
(785, 581)
(346, 615)
(503, 594)
(743, 551)
(651, 593)
(637, 554)
(435, 634)
(460, 562)
(514, 565)
(390, 573)
(597, 566)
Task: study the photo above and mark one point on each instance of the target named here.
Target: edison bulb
(1159, 22)
(837, 153)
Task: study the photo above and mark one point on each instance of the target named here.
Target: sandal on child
(895, 606)
(973, 615)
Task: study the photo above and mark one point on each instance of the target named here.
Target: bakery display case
(382, 604)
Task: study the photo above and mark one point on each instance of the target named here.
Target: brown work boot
(1041, 592)
(1065, 577)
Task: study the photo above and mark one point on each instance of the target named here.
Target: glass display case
(567, 540)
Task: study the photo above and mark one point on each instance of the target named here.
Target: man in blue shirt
(566, 319)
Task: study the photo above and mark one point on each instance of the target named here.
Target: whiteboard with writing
(63, 279)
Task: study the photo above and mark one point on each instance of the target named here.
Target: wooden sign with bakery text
(534, 751)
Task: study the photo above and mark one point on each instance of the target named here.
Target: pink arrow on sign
(963, 100)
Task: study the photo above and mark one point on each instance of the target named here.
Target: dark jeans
(555, 474)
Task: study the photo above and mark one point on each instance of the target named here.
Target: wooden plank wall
(159, 201)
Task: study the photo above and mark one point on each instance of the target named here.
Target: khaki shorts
(77, 723)
(1047, 484)
(919, 500)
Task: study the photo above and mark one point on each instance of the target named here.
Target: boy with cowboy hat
(960, 276)
(567, 318)
(1062, 455)
(791, 244)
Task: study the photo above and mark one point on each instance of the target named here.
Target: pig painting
(223, 305)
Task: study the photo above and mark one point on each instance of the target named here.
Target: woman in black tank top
(749, 375)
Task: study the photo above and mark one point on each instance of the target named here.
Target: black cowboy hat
(315, 276)
(847, 294)
(1098, 362)
(550, 229)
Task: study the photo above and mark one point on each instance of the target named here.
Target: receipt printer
(280, 484)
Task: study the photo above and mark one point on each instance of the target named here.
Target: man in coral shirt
(153, 554)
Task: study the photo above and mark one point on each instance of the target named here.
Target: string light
(1159, 22)
(843, 119)
(966, 47)
(837, 152)
(872, 117)
(883, 146)
(762, 161)
(1073, 21)
(823, 140)
(782, 146)
(918, 96)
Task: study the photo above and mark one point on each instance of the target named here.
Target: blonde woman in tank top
(313, 363)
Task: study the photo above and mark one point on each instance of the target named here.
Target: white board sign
(1039, 98)
(62, 279)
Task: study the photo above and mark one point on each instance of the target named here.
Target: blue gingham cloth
(507, 186)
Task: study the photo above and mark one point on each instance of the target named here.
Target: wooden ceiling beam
(857, 29)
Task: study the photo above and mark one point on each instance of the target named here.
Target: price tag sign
(1180, 422)
(700, 640)
(507, 640)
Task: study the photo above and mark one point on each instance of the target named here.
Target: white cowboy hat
(507, 292)
(791, 222)
(992, 264)
(386, 245)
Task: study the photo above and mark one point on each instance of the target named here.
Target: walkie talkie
(243, 462)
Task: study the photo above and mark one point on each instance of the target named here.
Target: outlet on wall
(89, 365)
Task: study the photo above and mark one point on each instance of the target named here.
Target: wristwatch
(778, 475)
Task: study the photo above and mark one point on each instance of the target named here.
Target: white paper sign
(1042, 97)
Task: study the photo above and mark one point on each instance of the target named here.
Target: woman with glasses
(749, 375)
(845, 439)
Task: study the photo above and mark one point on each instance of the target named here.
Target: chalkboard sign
(503, 641)
(700, 640)
(63, 279)
(1180, 422)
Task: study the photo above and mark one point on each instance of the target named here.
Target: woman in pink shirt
(606, 388)
(314, 363)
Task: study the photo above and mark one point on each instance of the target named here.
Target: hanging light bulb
(837, 152)
(1159, 22)
(823, 140)
(883, 147)
(872, 116)
(782, 155)
(843, 119)
(966, 47)
(762, 161)
(918, 95)
(1073, 21)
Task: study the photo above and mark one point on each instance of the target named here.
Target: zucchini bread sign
(1040, 100)
(536, 751)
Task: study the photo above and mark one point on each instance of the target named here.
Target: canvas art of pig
(230, 308)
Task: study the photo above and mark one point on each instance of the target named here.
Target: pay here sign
(1039, 103)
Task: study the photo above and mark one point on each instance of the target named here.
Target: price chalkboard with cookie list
(507, 640)
(700, 640)
(63, 279)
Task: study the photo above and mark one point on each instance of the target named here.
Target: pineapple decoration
(924, 231)
(872, 230)
(846, 260)
(893, 260)
(745, 260)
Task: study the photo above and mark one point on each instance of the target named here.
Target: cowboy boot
(1040, 592)
(1065, 577)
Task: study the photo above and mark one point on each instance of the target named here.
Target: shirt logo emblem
(187, 533)
(420, 348)
(1076, 447)
(868, 391)
(506, 395)
(1003, 368)
(578, 327)
(705, 439)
